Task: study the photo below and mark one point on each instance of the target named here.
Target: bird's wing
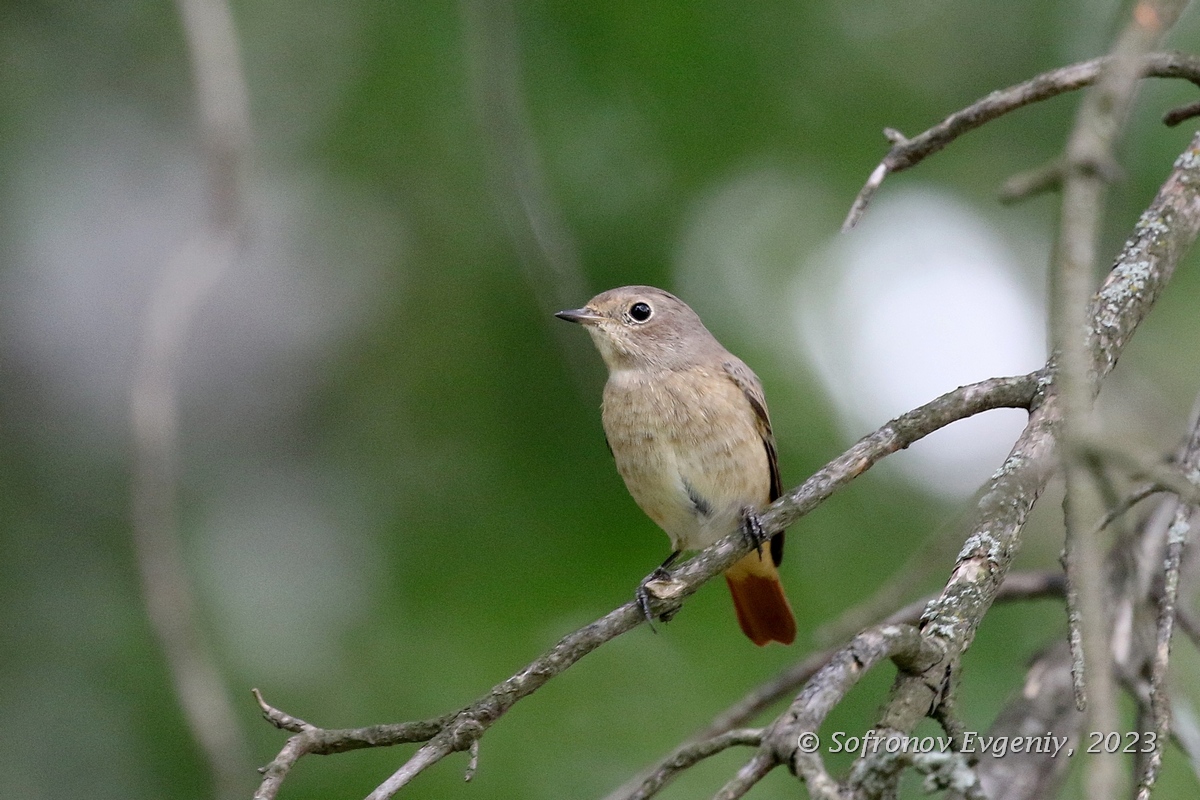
(752, 389)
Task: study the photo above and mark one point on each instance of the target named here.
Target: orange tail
(762, 607)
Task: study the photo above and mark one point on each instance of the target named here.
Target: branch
(1146, 263)
(1128, 502)
(184, 283)
(1088, 161)
(1177, 534)
(785, 740)
(1177, 115)
(311, 740)
(1018, 586)
(520, 189)
(1044, 704)
(1176, 480)
(907, 152)
(1023, 391)
(457, 732)
(691, 754)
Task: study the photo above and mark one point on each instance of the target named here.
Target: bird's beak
(584, 316)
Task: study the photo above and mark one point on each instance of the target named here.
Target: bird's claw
(643, 600)
(752, 529)
(645, 592)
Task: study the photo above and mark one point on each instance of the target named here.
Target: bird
(687, 424)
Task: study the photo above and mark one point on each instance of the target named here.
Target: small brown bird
(687, 424)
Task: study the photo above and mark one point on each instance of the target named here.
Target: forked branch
(908, 152)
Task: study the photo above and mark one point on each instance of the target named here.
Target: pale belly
(689, 451)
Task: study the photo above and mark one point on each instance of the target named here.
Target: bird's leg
(660, 572)
(643, 594)
(752, 529)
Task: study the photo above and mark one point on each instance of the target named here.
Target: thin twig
(520, 190)
(430, 753)
(1072, 553)
(1031, 182)
(1127, 503)
(746, 778)
(1189, 624)
(473, 764)
(185, 282)
(1088, 160)
(1177, 535)
(909, 152)
(1171, 479)
(921, 563)
(280, 719)
(1182, 114)
(691, 754)
(1082, 563)
(311, 740)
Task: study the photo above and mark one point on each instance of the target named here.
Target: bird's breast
(687, 445)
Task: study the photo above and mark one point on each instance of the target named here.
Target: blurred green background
(395, 490)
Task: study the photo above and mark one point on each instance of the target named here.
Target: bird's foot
(752, 530)
(658, 585)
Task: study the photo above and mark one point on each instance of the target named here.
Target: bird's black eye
(640, 312)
